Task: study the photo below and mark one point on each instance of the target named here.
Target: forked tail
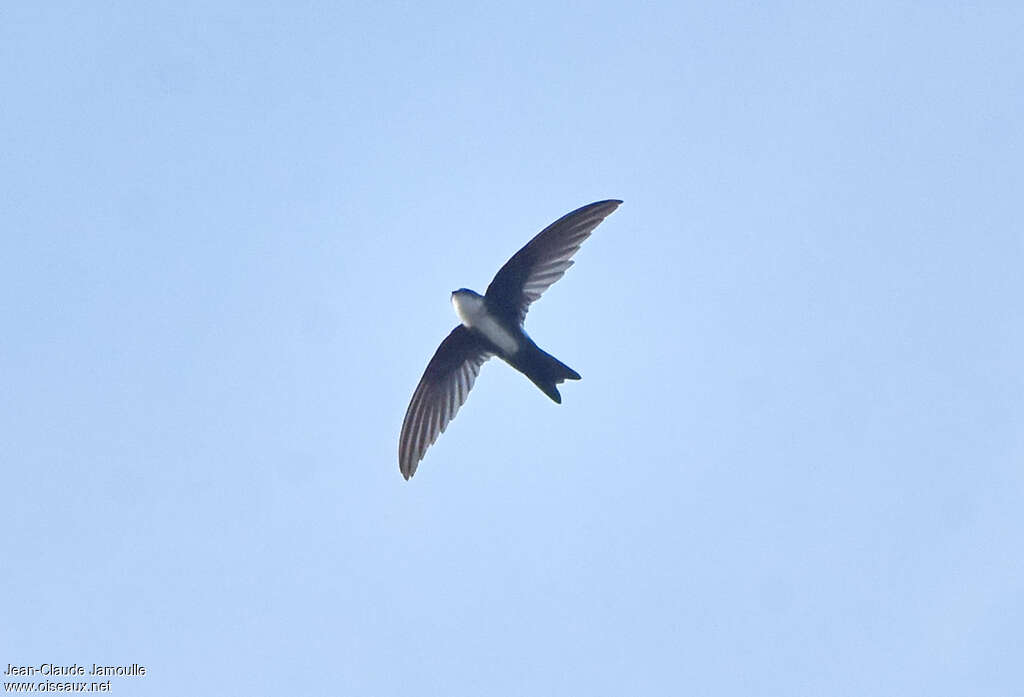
(546, 371)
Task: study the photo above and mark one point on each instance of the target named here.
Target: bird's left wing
(442, 390)
(543, 260)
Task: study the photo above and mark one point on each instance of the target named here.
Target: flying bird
(492, 325)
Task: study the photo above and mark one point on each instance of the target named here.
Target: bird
(492, 325)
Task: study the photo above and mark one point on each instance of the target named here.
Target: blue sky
(793, 465)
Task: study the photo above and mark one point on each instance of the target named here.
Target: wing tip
(405, 467)
(603, 208)
(598, 209)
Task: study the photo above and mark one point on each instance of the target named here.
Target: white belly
(496, 334)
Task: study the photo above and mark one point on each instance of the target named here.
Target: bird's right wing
(442, 390)
(543, 260)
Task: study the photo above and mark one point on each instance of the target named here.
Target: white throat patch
(473, 313)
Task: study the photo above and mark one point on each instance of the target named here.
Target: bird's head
(468, 304)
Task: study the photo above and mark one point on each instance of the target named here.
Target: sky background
(795, 462)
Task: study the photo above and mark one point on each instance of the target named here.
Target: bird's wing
(442, 390)
(543, 261)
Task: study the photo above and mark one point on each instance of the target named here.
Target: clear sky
(795, 462)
